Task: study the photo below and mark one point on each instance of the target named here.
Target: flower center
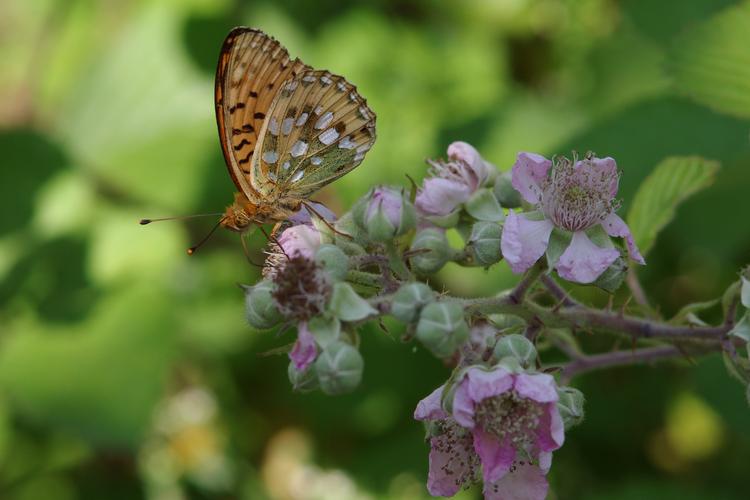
(302, 289)
(510, 417)
(456, 443)
(577, 195)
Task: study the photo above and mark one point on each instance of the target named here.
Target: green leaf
(711, 63)
(672, 181)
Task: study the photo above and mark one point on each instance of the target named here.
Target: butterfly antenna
(143, 222)
(191, 250)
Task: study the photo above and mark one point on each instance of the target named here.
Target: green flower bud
(260, 309)
(484, 206)
(745, 288)
(409, 300)
(570, 406)
(333, 260)
(504, 191)
(303, 381)
(385, 214)
(485, 243)
(339, 368)
(442, 328)
(517, 347)
(433, 251)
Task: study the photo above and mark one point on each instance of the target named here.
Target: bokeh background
(127, 370)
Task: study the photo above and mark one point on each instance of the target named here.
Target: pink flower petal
(524, 241)
(583, 261)
(615, 226)
(550, 432)
(539, 387)
(477, 385)
(304, 351)
(528, 173)
(429, 408)
(447, 469)
(599, 169)
(467, 154)
(300, 240)
(525, 482)
(440, 196)
(496, 457)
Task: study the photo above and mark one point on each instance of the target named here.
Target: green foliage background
(106, 116)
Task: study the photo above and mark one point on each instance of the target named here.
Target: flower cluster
(502, 411)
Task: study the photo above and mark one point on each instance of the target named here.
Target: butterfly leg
(312, 210)
(272, 238)
(247, 252)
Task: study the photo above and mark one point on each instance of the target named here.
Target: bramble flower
(503, 424)
(454, 181)
(574, 196)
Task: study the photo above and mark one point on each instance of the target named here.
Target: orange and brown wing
(252, 67)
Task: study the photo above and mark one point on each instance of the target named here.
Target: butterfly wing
(318, 129)
(252, 67)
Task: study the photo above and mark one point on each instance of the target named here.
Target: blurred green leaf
(711, 63)
(99, 380)
(672, 181)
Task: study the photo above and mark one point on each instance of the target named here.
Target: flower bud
(333, 260)
(504, 191)
(517, 347)
(260, 309)
(385, 214)
(431, 251)
(325, 330)
(442, 328)
(339, 368)
(484, 206)
(745, 287)
(485, 243)
(570, 405)
(303, 380)
(409, 300)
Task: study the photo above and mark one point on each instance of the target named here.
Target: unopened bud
(409, 300)
(517, 347)
(570, 404)
(431, 251)
(385, 214)
(442, 328)
(485, 243)
(260, 308)
(339, 368)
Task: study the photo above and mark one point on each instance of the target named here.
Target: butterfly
(286, 129)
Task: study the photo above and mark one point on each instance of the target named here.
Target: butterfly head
(240, 215)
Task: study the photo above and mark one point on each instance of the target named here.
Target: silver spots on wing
(297, 176)
(286, 165)
(286, 126)
(270, 157)
(298, 149)
(324, 120)
(328, 136)
(326, 80)
(273, 126)
(347, 143)
(302, 119)
(316, 160)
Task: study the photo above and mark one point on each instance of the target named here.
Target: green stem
(396, 262)
(364, 278)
